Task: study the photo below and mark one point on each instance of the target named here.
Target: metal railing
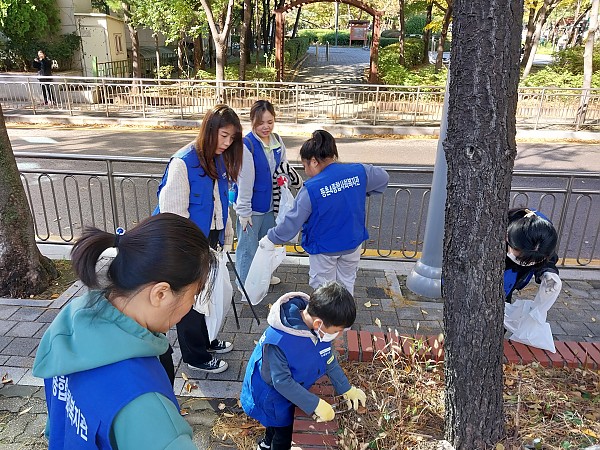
(111, 191)
(354, 104)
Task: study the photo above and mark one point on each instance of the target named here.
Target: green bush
(415, 25)
(552, 76)
(391, 72)
(322, 36)
(386, 41)
(413, 50)
(295, 49)
(391, 34)
(18, 55)
(571, 59)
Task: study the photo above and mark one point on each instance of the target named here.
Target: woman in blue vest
(531, 249)
(196, 185)
(264, 151)
(330, 210)
(105, 387)
(292, 354)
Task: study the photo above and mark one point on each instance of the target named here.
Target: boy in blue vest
(292, 354)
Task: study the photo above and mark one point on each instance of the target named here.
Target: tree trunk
(221, 54)
(157, 53)
(480, 149)
(443, 34)
(587, 64)
(401, 59)
(198, 53)
(529, 36)
(545, 11)
(427, 33)
(219, 38)
(181, 52)
(579, 17)
(244, 43)
(23, 269)
(296, 22)
(135, 42)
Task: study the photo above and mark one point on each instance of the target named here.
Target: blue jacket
(82, 406)
(337, 221)
(201, 204)
(106, 365)
(516, 277)
(286, 362)
(263, 177)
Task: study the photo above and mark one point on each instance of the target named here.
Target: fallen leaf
(424, 312)
(53, 296)
(26, 410)
(590, 433)
(184, 412)
(229, 415)
(184, 376)
(593, 319)
(499, 446)
(6, 379)
(377, 322)
(368, 304)
(221, 406)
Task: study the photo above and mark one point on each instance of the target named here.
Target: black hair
(162, 248)
(320, 146)
(208, 137)
(333, 304)
(259, 108)
(531, 234)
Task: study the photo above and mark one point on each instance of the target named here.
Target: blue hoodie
(89, 333)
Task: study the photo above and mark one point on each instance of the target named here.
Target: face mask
(514, 259)
(327, 337)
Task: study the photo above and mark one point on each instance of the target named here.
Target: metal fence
(355, 104)
(110, 191)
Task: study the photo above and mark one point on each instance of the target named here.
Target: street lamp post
(426, 277)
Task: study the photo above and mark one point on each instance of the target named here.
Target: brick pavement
(574, 317)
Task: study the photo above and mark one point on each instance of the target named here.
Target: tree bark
(579, 17)
(480, 149)
(587, 65)
(529, 36)
(542, 15)
(427, 33)
(244, 42)
(401, 59)
(296, 22)
(24, 271)
(135, 42)
(443, 35)
(219, 38)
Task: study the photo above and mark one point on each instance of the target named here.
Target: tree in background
(26, 22)
(531, 43)
(480, 149)
(587, 64)
(23, 269)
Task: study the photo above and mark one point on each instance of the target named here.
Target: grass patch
(405, 406)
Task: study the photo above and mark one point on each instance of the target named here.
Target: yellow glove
(324, 411)
(353, 396)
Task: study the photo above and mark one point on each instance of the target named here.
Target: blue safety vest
(307, 362)
(83, 405)
(337, 220)
(201, 203)
(262, 191)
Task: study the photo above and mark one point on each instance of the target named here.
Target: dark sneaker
(263, 446)
(220, 347)
(213, 366)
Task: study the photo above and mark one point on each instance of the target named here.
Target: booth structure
(359, 31)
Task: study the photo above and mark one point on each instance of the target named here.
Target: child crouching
(292, 354)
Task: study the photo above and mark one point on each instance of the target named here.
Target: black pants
(48, 92)
(192, 333)
(279, 438)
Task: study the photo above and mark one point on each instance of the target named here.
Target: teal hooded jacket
(88, 333)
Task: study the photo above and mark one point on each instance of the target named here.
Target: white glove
(551, 284)
(245, 221)
(266, 244)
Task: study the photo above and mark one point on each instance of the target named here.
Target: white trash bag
(259, 276)
(286, 203)
(526, 320)
(216, 308)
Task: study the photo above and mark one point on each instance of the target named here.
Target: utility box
(103, 38)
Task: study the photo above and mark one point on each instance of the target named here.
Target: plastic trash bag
(216, 307)
(525, 320)
(286, 203)
(259, 276)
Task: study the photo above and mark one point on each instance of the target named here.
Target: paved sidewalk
(575, 316)
(345, 65)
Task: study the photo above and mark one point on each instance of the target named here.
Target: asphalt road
(396, 221)
(413, 152)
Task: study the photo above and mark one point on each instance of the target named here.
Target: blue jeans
(248, 241)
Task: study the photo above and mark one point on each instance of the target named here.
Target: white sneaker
(274, 280)
(213, 366)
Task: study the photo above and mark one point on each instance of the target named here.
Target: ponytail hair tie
(529, 213)
(118, 233)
